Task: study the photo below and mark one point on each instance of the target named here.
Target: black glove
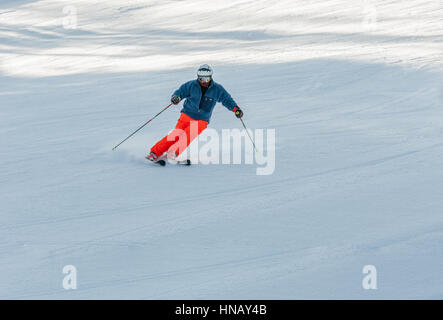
(238, 112)
(175, 99)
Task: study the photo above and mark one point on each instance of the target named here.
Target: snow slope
(354, 91)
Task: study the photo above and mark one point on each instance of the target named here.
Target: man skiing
(201, 96)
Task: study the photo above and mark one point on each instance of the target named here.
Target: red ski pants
(186, 130)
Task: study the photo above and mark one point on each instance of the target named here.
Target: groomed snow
(354, 91)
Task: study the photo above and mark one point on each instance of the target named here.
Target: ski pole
(142, 126)
(256, 150)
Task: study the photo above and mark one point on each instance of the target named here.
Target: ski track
(337, 253)
(222, 194)
(99, 241)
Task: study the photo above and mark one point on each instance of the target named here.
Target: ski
(162, 162)
(186, 162)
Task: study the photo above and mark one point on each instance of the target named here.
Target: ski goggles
(204, 79)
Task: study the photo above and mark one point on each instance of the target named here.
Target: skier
(201, 96)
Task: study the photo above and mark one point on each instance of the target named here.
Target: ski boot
(154, 158)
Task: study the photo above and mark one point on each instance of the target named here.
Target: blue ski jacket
(199, 109)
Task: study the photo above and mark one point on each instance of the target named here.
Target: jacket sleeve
(184, 91)
(226, 99)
